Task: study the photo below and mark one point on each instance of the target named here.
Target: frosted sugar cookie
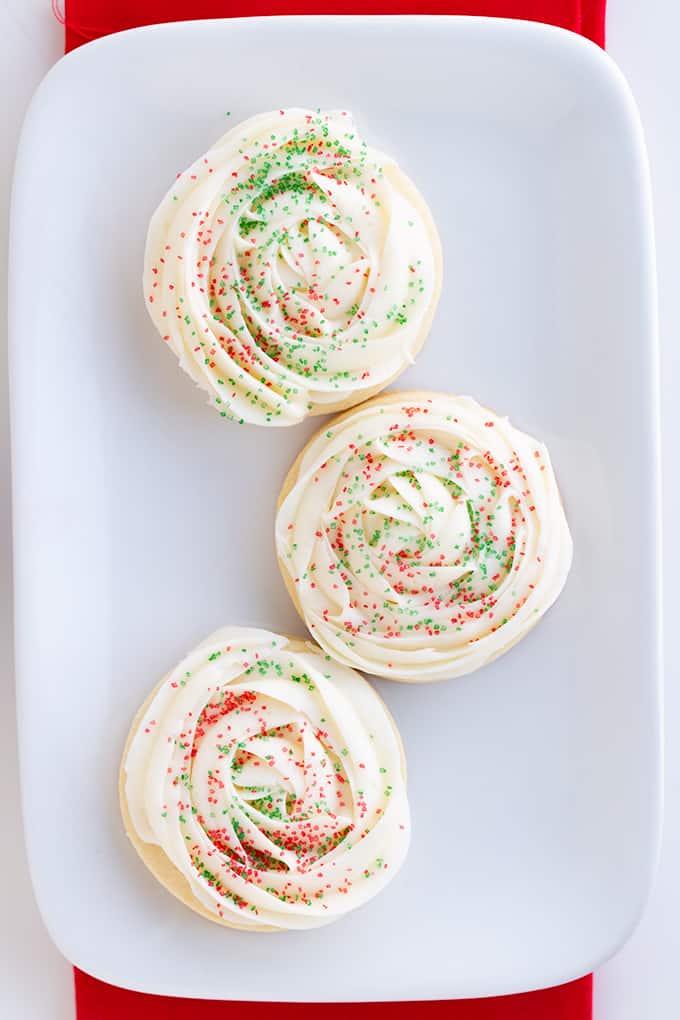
(420, 536)
(292, 269)
(264, 784)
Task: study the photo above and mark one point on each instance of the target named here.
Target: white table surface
(640, 983)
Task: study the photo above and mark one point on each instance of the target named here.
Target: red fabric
(98, 1001)
(87, 19)
(95, 1000)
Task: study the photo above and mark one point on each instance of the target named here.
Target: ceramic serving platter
(143, 521)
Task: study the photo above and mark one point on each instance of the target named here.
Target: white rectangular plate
(144, 521)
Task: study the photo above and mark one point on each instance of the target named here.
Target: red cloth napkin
(98, 1001)
(85, 20)
(88, 19)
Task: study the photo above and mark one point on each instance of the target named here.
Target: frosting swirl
(421, 536)
(272, 778)
(292, 269)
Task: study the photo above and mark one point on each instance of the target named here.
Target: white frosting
(291, 268)
(272, 778)
(422, 536)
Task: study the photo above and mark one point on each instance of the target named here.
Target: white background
(640, 982)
